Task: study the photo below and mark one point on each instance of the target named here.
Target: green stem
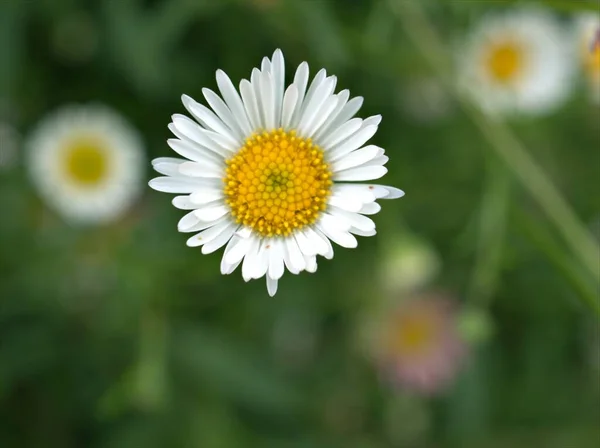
(503, 141)
(492, 230)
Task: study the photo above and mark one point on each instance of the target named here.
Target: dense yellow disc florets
(277, 183)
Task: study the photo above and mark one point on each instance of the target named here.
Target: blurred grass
(121, 336)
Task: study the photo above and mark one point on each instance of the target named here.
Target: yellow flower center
(414, 334)
(277, 183)
(591, 58)
(504, 61)
(85, 162)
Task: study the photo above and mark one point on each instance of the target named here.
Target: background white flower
(517, 62)
(87, 163)
(267, 171)
(588, 48)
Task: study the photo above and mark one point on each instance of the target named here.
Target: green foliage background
(121, 336)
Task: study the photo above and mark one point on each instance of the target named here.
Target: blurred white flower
(9, 144)
(588, 47)
(272, 172)
(87, 163)
(407, 263)
(517, 62)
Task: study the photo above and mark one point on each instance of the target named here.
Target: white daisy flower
(87, 163)
(517, 62)
(269, 173)
(588, 47)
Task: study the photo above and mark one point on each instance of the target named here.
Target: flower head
(266, 171)
(517, 62)
(588, 36)
(419, 345)
(87, 163)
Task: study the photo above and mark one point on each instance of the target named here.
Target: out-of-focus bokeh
(470, 320)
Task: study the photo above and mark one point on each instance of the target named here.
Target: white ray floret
(268, 171)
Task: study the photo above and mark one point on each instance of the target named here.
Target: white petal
(377, 161)
(346, 114)
(356, 220)
(176, 184)
(200, 225)
(304, 244)
(167, 160)
(342, 133)
(238, 250)
(331, 221)
(322, 114)
(279, 84)
(354, 142)
(255, 82)
(372, 121)
(209, 234)
(359, 192)
(320, 78)
(265, 65)
(356, 158)
(276, 267)
(219, 241)
(187, 222)
(313, 104)
(317, 241)
(208, 119)
(359, 232)
(311, 263)
(262, 261)
(346, 202)
(300, 81)
(250, 259)
(233, 100)
(250, 104)
(271, 286)
(223, 112)
(370, 209)
(191, 150)
(338, 236)
(194, 133)
(329, 254)
(244, 232)
(228, 268)
(168, 168)
(211, 213)
(205, 170)
(205, 196)
(267, 100)
(361, 173)
(183, 203)
(342, 101)
(293, 256)
(222, 141)
(393, 192)
(289, 103)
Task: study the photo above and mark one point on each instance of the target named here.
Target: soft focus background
(120, 336)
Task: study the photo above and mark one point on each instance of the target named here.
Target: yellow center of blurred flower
(85, 162)
(592, 60)
(504, 61)
(277, 183)
(414, 334)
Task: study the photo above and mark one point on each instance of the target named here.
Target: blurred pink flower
(419, 346)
